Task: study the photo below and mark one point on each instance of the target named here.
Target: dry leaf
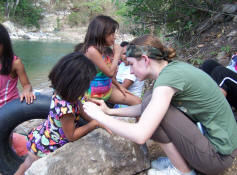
(219, 35)
(200, 45)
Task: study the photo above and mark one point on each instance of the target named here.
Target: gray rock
(233, 43)
(229, 8)
(27, 126)
(98, 153)
(26, 36)
(221, 56)
(205, 25)
(235, 19)
(232, 34)
(9, 26)
(219, 18)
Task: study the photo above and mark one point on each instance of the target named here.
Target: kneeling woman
(182, 95)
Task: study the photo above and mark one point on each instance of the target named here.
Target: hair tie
(137, 51)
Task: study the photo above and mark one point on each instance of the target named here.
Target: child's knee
(137, 101)
(134, 100)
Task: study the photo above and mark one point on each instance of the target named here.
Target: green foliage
(195, 61)
(61, 5)
(83, 11)
(27, 14)
(58, 27)
(94, 7)
(122, 9)
(226, 49)
(73, 19)
(2, 9)
(214, 53)
(175, 15)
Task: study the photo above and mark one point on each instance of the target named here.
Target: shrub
(27, 14)
(2, 9)
(73, 19)
(173, 15)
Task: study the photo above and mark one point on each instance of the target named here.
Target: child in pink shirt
(11, 68)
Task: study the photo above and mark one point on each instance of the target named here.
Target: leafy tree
(2, 9)
(21, 11)
(27, 14)
(175, 15)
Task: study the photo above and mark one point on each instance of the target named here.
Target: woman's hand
(93, 110)
(101, 104)
(28, 95)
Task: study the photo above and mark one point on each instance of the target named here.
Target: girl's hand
(101, 104)
(117, 50)
(27, 88)
(28, 95)
(103, 127)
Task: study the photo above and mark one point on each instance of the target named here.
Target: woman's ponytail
(171, 53)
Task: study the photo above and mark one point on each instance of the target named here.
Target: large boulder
(9, 26)
(98, 153)
(229, 8)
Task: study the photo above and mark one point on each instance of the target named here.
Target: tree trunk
(7, 9)
(15, 6)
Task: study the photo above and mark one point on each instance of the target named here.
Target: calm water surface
(38, 58)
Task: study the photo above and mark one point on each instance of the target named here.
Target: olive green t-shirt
(199, 97)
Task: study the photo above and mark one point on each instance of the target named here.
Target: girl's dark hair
(7, 52)
(97, 30)
(78, 47)
(71, 76)
(108, 51)
(124, 43)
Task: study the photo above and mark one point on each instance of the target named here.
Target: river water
(39, 58)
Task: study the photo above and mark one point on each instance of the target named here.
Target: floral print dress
(49, 136)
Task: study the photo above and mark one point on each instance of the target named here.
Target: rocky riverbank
(49, 30)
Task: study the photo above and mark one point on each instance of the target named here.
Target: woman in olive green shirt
(182, 95)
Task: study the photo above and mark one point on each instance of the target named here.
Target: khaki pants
(191, 144)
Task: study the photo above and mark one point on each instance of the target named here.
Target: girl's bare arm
(127, 83)
(73, 133)
(27, 88)
(95, 56)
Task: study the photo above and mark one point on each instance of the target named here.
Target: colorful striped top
(100, 86)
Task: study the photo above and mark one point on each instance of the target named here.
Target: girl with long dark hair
(12, 68)
(101, 34)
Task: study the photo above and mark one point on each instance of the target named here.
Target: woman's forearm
(132, 131)
(130, 111)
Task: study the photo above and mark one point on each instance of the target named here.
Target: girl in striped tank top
(101, 34)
